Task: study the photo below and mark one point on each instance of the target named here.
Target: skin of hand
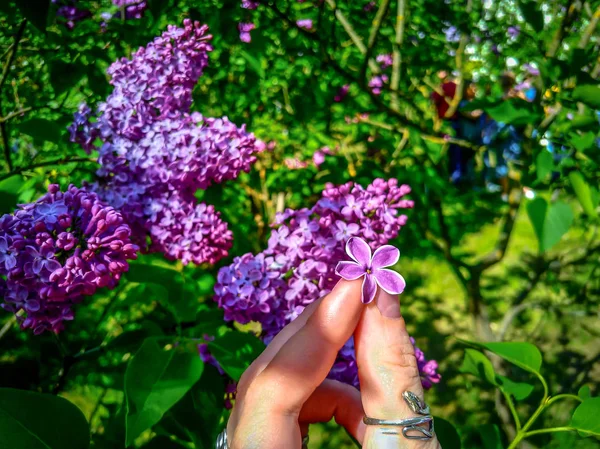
(286, 389)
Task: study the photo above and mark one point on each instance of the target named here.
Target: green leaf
(31, 420)
(524, 355)
(519, 390)
(162, 442)
(491, 436)
(479, 365)
(585, 419)
(209, 320)
(532, 14)
(36, 11)
(549, 222)
(41, 130)
(447, 434)
(180, 296)
(131, 341)
(156, 378)
(588, 94)
(65, 75)
(584, 192)
(202, 404)
(254, 63)
(235, 351)
(512, 113)
(544, 164)
(584, 392)
(583, 142)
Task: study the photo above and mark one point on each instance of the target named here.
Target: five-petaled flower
(372, 267)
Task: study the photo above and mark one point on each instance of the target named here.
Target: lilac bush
(298, 266)
(56, 251)
(154, 154)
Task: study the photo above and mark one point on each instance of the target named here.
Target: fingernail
(388, 305)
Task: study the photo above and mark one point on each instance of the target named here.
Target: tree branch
(397, 55)
(587, 34)
(381, 13)
(5, 71)
(62, 161)
(561, 32)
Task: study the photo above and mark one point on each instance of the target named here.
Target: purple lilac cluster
(274, 286)
(56, 251)
(71, 13)
(134, 9)
(154, 154)
(244, 29)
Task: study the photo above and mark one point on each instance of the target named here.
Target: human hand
(286, 389)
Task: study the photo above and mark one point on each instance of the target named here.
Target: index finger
(304, 361)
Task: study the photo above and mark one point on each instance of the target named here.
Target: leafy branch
(5, 72)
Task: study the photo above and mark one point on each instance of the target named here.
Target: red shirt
(442, 106)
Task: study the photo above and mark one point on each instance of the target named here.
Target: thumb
(387, 367)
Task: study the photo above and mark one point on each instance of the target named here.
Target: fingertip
(388, 304)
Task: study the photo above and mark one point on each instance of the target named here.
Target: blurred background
(488, 110)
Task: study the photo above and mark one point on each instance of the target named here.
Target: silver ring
(408, 424)
(222, 440)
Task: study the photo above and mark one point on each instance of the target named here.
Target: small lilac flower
(6, 256)
(306, 24)
(249, 4)
(342, 93)
(372, 268)
(370, 6)
(513, 31)
(318, 158)
(244, 29)
(385, 60)
(532, 70)
(344, 231)
(452, 34)
(376, 83)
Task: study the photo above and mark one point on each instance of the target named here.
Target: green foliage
(41, 421)
(550, 222)
(476, 265)
(235, 351)
(157, 377)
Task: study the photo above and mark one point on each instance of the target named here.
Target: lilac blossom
(133, 9)
(250, 4)
(513, 31)
(452, 34)
(298, 266)
(385, 60)
(373, 267)
(376, 83)
(154, 154)
(306, 24)
(244, 29)
(56, 251)
(341, 93)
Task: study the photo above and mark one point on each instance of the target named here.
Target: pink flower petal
(349, 270)
(390, 281)
(358, 249)
(385, 256)
(369, 288)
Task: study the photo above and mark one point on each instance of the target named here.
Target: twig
(587, 34)
(460, 59)
(7, 117)
(397, 55)
(7, 326)
(560, 33)
(5, 71)
(377, 22)
(62, 161)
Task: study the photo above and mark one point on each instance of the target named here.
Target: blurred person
(285, 389)
(503, 142)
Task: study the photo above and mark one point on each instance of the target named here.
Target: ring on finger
(409, 424)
